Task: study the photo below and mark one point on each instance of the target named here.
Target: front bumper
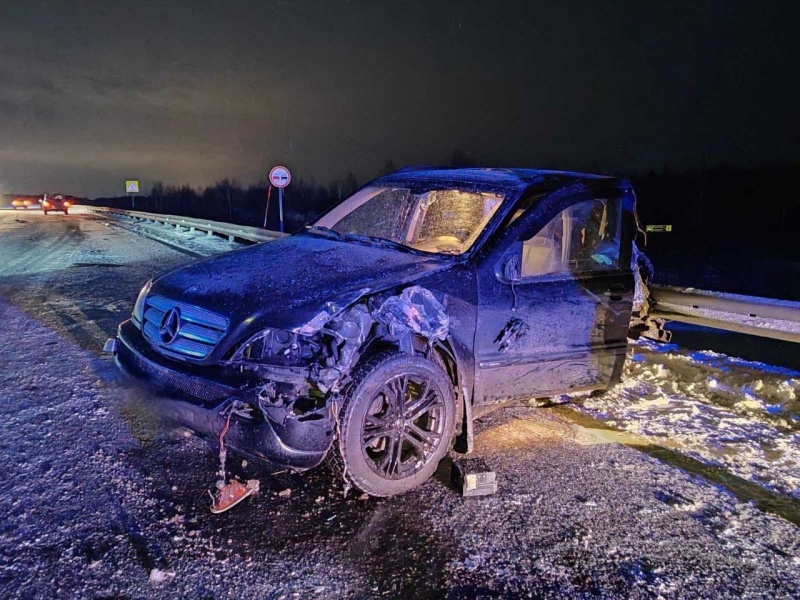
(188, 397)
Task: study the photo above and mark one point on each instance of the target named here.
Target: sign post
(266, 210)
(132, 187)
(280, 177)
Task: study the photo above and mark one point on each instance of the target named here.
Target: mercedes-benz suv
(379, 329)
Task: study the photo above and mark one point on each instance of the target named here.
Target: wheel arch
(444, 354)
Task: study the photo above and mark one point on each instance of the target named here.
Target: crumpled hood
(286, 282)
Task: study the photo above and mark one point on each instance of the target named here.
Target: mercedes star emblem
(170, 326)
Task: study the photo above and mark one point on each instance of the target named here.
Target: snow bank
(725, 411)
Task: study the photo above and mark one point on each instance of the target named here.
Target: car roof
(503, 178)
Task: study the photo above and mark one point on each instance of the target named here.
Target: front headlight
(138, 307)
(278, 347)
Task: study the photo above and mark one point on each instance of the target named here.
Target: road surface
(99, 501)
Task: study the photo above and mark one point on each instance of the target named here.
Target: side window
(581, 239)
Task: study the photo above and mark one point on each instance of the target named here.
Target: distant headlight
(138, 307)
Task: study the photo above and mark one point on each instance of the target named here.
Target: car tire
(396, 423)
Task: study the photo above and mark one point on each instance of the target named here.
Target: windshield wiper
(380, 241)
(374, 239)
(327, 231)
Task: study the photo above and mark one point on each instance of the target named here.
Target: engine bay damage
(298, 376)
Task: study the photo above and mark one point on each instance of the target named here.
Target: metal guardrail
(229, 230)
(763, 317)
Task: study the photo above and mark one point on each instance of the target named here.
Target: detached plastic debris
(473, 477)
(159, 576)
(231, 493)
(415, 310)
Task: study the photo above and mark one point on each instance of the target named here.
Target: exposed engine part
(349, 333)
(267, 392)
(320, 354)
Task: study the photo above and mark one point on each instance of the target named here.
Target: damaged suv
(381, 329)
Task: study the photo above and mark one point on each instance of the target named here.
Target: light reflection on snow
(742, 415)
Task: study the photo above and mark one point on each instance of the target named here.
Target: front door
(554, 299)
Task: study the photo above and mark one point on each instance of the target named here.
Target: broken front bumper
(190, 398)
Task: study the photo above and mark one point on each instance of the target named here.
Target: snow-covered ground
(730, 412)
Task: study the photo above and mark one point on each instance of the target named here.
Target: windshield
(443, 221)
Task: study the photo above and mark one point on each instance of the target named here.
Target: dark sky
(92, 93)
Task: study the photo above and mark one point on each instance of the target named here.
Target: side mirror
(511, 268)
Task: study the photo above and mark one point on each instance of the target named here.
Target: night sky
(92, 93)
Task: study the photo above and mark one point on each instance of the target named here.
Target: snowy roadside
(742, 415)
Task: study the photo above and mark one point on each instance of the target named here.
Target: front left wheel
(397, 421)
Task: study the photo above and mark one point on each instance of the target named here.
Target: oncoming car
(57, 203)
(24, 202)
(379, 330)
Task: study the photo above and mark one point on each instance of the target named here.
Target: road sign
(658, 228)
(131, 186)
(280, 177)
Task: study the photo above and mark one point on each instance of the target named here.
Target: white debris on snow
(725, 411)
(158, 576)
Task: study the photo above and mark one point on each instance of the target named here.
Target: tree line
(231, 202)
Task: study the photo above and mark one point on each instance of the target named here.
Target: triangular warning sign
(133, 186)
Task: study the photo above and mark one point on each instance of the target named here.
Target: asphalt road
(99, 501)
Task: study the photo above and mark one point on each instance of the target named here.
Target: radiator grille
(189, 332)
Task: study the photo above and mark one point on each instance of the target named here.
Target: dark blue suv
(379, 330)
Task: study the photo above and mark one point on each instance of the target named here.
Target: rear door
(554, 297)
